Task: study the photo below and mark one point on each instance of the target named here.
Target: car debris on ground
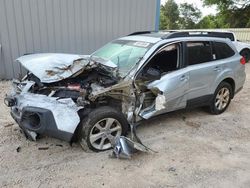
(124, 147)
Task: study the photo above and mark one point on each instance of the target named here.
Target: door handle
(216, 68)
(183, 78)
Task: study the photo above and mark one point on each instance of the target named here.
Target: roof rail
(175, 34)
(141, 32)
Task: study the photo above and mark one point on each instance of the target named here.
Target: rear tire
(100, 125)
(222, 98)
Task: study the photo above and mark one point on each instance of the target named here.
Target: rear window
(199, 52)
(222, 50)
(230, 36)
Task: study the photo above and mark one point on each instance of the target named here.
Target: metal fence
(242, 34)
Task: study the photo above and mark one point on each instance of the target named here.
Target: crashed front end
(38, 114)
(48, 100)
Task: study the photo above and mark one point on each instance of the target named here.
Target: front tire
(222, 98)
(99, 126)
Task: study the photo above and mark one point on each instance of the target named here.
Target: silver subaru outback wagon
(94, 99)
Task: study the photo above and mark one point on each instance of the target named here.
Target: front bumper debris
(124, 147)
(9, 101)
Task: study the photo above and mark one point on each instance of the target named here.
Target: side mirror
(151, 74)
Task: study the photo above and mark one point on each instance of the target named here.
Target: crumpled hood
(52, 67)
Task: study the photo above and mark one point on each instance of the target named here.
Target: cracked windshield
(123, 53)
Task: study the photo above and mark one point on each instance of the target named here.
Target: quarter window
(222, 50)
(199, 52)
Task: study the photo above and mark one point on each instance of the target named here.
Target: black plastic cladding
(47, 124)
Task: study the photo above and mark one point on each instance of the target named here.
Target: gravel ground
(195, 149)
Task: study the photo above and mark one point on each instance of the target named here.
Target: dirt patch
(195, 149)
(193, 124)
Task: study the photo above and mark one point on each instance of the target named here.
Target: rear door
(202, 70)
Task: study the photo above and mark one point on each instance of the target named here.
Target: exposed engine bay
(80, 86)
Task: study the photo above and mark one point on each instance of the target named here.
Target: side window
(222, 50)
(166, 60)
(199, 52)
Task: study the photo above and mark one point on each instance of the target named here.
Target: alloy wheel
(222, 98)
(103, 131)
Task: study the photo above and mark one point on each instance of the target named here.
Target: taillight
(243, 61)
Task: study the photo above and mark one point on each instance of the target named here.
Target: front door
(173, 89)
(170, 89)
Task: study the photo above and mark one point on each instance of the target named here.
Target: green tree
(207, 22)
(163, 19)
(169, 16)
(189, 16)
(233, 13)
(228, 4)
(212, 22)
